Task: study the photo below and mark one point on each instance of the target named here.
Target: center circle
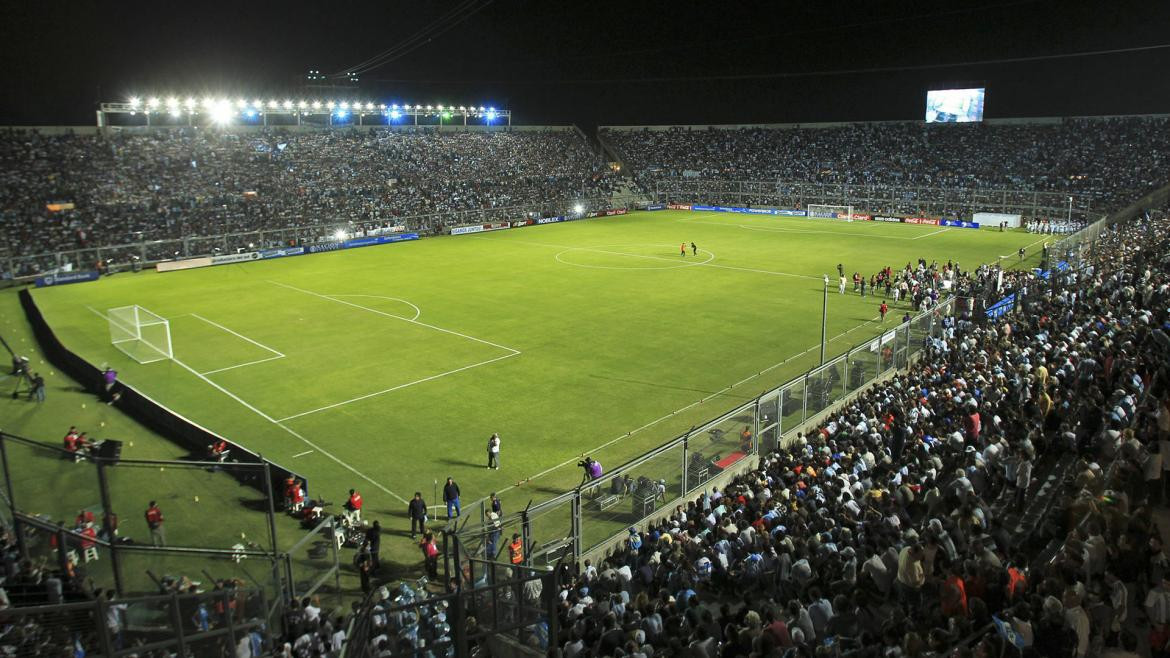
(632, 257)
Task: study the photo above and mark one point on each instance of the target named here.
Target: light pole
(824, 317)
(1070, 199)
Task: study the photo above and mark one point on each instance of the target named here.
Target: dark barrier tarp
(147, 411)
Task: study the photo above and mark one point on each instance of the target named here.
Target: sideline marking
(302, 454)
(417, 310)
(241, 365)
(689, 406)
(282, 426)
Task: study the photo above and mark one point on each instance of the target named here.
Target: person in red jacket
(154, 521)
(353, 506)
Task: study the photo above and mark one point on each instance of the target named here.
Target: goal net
(140, 334)
(830, 212)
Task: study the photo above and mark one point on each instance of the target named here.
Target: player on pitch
(682, 249)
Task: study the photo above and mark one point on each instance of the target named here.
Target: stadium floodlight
(176, 112)
(330, 105)
(316, 105)
(344, 105)
(153, 102)
(221, 113)
(241, 103)
(395, 114)
(340, 235)
(172, 102)
(272, 104)
(257, 103)
(381, 106)
(394, 106)
(288, 105)
(190, 103)
(481, 108)
(430, 108)
(302, 105)
(134, 101)
(578, 208)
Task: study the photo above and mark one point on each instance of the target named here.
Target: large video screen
(954, 105)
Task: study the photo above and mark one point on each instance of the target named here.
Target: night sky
(596, 63)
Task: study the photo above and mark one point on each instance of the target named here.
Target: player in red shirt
(883, 309)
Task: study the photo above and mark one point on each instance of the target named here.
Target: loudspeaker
(110, 450)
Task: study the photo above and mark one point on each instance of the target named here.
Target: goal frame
(126, 325)
(823, 211)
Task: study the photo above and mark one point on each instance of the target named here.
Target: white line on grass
(395, 388)
(236, 334)
(278, 424)
(241, 365)
(671, 260)
(302, 454)
(682, 409)
(417, 310)
(396, 317)
(927, 235)
(783, 229)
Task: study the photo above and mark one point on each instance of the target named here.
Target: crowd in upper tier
(1113, 160)
(180, 183)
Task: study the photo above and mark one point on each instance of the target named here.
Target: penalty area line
(282, 426)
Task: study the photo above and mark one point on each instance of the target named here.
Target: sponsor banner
(185, 264)
(282, 252)
(679, 206)
(551, 220)
(323, 247)
(611, 213)
(855, 216)
(521, 222)
(752, 211)
(928, 221)
(464, 230)
(886, 218)
(234, 258)
(656, 206)
(957, 223)
(63, 278)
(497, 226)
(396, 229)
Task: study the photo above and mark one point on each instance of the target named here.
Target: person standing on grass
(682, 250)
(451, 497)
(417, 509)
(36, 389)
(493, 450)
(883, 309)
(863, 286)
(353, 506)
(154, 521)
(694, 250)
(841, 270)
(841, 285)
(374, 541)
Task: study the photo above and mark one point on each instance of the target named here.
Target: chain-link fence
(602, 508)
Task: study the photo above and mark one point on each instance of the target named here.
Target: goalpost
(830, 212)
(140, 334)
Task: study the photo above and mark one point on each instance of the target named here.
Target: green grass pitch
(387, 368)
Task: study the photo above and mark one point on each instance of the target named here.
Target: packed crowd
(897, 528)
(1082, 156)
(122, 188)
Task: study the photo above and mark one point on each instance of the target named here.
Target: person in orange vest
(953, 594)
(516, 550)
(682, 250)
(353, 506)
(745, 440)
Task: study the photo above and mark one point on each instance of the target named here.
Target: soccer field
(387, 368)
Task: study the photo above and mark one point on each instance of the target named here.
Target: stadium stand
(173, 184)
(1083, 156)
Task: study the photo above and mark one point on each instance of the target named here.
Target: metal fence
(597, 511)
(297, 231)
(878, 199)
